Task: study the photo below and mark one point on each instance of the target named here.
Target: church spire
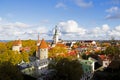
(38, 41)
(55, 36)
(38, 37)
(56, 31)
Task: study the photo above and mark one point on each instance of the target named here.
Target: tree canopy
(55, 51)
(67, 69)
(113, 50)
(9, 71)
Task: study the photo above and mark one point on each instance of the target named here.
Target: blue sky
(77, 19)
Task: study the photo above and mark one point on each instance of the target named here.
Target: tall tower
(37, 48)
(41, 65)
(56, 35)
(38, 41)
(43, 50)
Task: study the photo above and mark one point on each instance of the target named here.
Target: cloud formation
(60, 5)
(113, 13)
(112, 9)
(71, 26)
(0, 19)
(69, 30)
(15, 30)
(83, 3)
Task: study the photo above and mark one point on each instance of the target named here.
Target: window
(44, 49)
(106, 64)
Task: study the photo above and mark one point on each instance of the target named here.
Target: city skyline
(77, 19)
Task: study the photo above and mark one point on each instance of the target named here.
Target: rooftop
(43, 44)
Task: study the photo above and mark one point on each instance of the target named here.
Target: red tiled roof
(75, 46)
(83, 46)
(60, 45)
(72, 53)
(17, 42)
(43, 44)
(103, 57)
(87, 53)
(25, 49)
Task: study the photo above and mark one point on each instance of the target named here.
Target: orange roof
(103, 57)
(83, 46)
(60, 45)
(17, 42)
(87, 53)
(43, 44)
(75, 46)
(25, 49)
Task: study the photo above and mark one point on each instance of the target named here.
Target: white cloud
(69, 29)
(105, 27)
(113, 13)
(12, 30)
(100, 30)
(44, 21)
(112, 9)
(117, 28)
(41, 30)
(60, 5)
(15, 30)
(0, 19)
(113, 16)
(21, 25)
(83, 3)
(71, 26)
(114, 33)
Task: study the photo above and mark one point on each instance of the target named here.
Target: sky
(76, 19)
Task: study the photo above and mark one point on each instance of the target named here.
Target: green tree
(113, 50)
(3, 47)
(68, 69)
(9, 45)
(9, 71)
(31, 44)
(25, 56)
(56, 51)
(13, 57)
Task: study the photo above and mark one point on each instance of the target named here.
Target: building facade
(17, 44)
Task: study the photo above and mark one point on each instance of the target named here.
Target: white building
(105, 60)
(106, 63)
(17, 44)
(55, 36)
